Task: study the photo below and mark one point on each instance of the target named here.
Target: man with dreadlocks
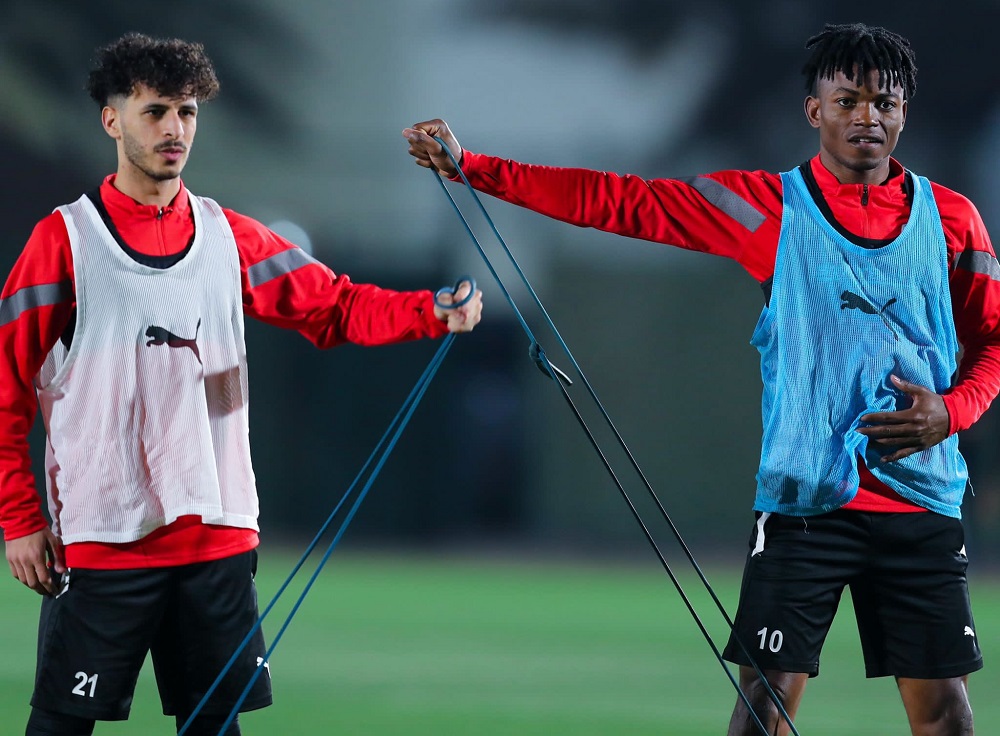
(872, 277)
(125, 315)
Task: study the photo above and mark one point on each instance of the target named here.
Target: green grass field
(387, 645)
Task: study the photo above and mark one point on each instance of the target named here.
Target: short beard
(134, 154)
(862, 165)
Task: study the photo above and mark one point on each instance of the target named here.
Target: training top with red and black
(37, 309)
(737, 214)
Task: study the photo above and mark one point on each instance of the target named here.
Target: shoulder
(50, 229)
(256, 242)
(246, 226)
(954, 205)
(46, 258)
(963, 226)
(960, 218)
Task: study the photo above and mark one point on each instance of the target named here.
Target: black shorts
(94, 636)
(907, 577)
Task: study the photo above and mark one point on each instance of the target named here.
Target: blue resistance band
(538, 355)
(379, 455)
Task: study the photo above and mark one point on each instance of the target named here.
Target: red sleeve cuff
(951, 404)
(465, 163)
(24, 528)
(435, 327)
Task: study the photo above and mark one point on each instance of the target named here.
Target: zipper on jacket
(864, 195)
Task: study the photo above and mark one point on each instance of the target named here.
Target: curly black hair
(857, 49)
(172, 67)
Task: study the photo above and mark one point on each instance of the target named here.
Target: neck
(144, 189)
(848, 175)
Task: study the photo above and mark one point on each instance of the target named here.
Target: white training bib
(146, 413)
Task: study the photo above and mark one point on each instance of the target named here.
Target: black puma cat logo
(163, 336)
(853, 301)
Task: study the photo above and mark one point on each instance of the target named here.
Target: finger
(56, 554)
(887, 417)
(882, 431)
(461, 321)
(900, 454)
(26, 574)
(437, 126)
(910, 388)
(418, 153)
(893, 442)
(422, 139)
(44, 577)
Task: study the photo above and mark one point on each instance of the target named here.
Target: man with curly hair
(872, 276)
(123, 319)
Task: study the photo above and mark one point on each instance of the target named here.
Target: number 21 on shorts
(772, 642)
(82, 682)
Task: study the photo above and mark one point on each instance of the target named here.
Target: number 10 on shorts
(772, 642)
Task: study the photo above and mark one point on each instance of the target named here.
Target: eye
(845, 102)
(887, 105)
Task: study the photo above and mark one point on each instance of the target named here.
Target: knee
(763, 698)
(937, 707)
(762, 695)
(953, 720)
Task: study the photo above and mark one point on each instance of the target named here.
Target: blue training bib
(841, 319)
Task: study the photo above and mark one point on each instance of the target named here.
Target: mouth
(865, 142)
(172, 154)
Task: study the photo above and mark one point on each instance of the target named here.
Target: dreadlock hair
(856, 50)
(172, 67)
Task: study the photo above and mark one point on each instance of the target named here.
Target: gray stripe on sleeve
(32, 297)
(978, 261)
(278, 265)
(728, 201)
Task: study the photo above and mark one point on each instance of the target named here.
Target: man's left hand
(923, 425)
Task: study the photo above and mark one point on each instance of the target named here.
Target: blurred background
(305, 137)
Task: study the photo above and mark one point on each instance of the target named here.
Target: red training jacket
(328, 309)
(737, 214)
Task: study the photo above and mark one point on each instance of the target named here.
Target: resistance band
(373, 465)
(562, 380)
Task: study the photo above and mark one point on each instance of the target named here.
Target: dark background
(306, 131)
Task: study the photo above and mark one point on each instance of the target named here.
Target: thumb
(55, 546)
(910, 388)
(423, 133)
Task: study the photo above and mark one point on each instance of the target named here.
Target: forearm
(977, 386)
(343, 312)
(734, 214)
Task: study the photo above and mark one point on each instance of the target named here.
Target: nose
(867, 115)
(173, 126)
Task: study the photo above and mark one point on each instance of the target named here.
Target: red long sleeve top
(327, 308)
(737, 214)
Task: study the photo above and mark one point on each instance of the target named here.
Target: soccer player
(872, 278)
(125, 314)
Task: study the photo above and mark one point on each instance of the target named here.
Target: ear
(111, 122)
(812, 107)
(903, 109)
